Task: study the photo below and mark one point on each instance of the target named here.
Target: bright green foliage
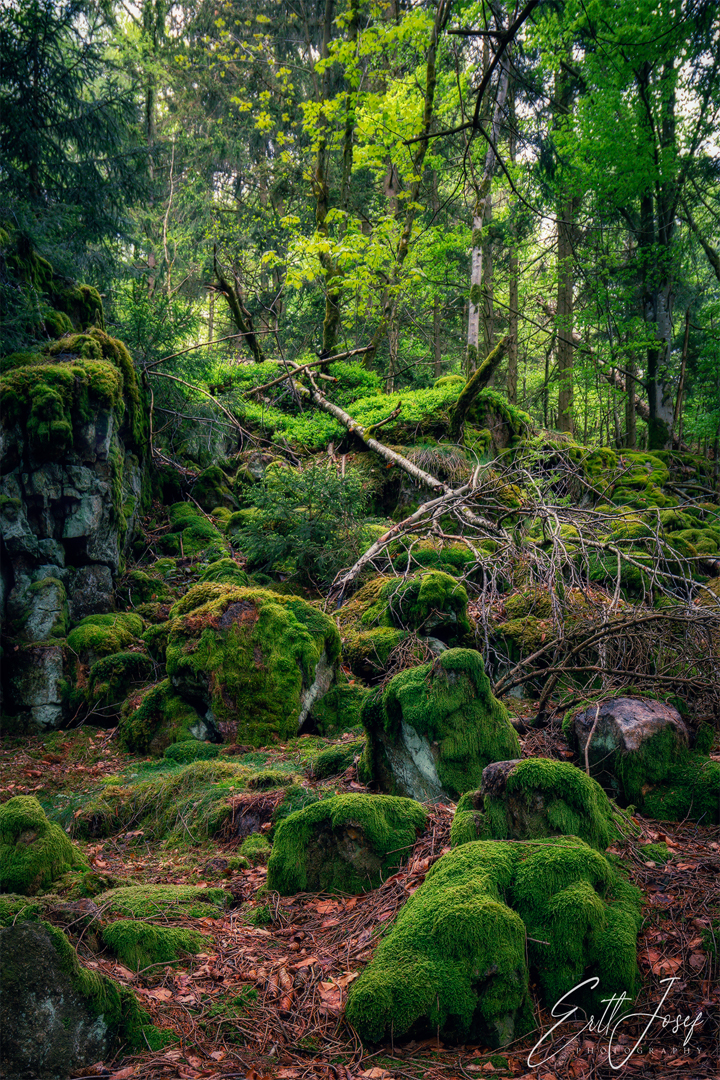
(226, 572)
(163, 901)
(542, 797)
(199, 594)
(448, 703)
(189, 803)
(252, 654)
(34, 852)
(138, 945)
(336, 759)
(455, 960)
(347, 843)
(102, 635)
(255, 848)
(156, 718)
(451, 557)
(339, 709)
(305, 522)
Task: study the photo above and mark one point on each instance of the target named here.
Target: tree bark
(473, 386)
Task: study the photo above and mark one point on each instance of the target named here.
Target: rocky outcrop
(72, 455)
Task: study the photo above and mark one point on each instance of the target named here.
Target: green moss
(202, 538)
(347, 843)
(190, 803)
(255, 848)
(450, 557)
(657, 853)
(448, 703)
(522, 637)
(296, 798)
(183, 514)
(189, 750)
(116, 1004)
(34, 852)
(542, 797)
(155, 718)
(367, 652)
(433, 603)
(252, 654)
(226, 572)
(269, 778)
(533, 601)
(143, 588)
(212, 488)
(112, 677)
(102, 635)
(139, 945)
(336, 759)
(456, 960)
(14, 908)
(691, 791)
(166, 901)
(339, 709)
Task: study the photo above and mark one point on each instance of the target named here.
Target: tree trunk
(474, 385)
(565, 279)
(513, 285)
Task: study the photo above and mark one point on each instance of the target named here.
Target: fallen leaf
(195, 1062)
(375, 1074)
(667, 966)
(287, 1074)
(161, 994)
(697, 961)
(327, 923)
(305, 962)
(324, 906)
(347, 978)
(218, 1055)
(123, 1074)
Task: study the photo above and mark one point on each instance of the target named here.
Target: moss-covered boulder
(431, 603)
(347, 843)
(536, 797)
(640, 751)
(156, 718)
(336, 759)
(257, 660)
(635, 741)
(163, 901)
(490, 916)
(434, 728)
(59, 1017)
(34, 852)
(139, 944)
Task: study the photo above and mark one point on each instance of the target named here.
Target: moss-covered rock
(156, 718)
(59, 1017)
(139, 944)
(256, 659)
(255, 848)
(537, 797)
(458, 960)
(225, 572)
(163, 901)
(434, 728)
(213, 488)
(34, 852)
(336, 759)
(102, 635)
(431, 603)
(347, 843)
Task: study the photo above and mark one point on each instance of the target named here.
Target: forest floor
(266, 1000)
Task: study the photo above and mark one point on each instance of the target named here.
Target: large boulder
(49, 1029)
(347, 843)
(633, 742)
(489, 917)
(253, 662)
(73, 437)
(434, 728)
(535, 797)
(34, 852)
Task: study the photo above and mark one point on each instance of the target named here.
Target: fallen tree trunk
(474, 385)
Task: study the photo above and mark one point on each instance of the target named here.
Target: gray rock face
(63, 528)
(48, 1031)
(624, 724)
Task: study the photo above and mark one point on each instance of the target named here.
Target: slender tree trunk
(564, 312)
(513, 285)
(681, 382)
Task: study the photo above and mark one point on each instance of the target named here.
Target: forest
(359, 539)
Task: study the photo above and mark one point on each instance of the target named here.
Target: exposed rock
(49, 1030)
(72, 444)
(434, 728)
(347, 843)
(535, 797)
(636, 741)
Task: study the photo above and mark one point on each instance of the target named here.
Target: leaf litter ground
(264, 999)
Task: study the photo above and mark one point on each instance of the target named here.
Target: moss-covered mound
(165, 901)
(256, 659)
(335, 759)
(434, 728)
(456, 961)
(537, 797)
(255, 848)
(430, 603)
(34, 852)
(101, 635)
(347, 843)
(139, 944)
(188, 803)
(156, 718)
